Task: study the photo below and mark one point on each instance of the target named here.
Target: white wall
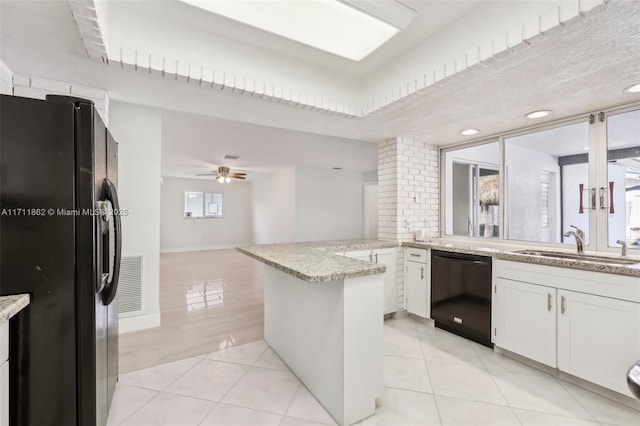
(274, 208)
(307, 204)
(180, 234)
(138, 133)
(329, 204)
(6, 79)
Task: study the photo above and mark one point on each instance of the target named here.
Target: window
(622, 208)
(202, 204)
(472, 191)
(583, 173)
(546, 174)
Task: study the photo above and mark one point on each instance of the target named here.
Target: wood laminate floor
(209, 301)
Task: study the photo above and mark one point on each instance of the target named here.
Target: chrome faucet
(578, 234)
(623, 243)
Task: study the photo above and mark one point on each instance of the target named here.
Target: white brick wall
(408, 194)
(39, 88)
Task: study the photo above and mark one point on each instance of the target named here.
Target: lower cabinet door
(598, 338)
(525, 319)
(416, 288)
(387, 257)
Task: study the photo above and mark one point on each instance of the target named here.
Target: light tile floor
(209, 300)
(431, 378)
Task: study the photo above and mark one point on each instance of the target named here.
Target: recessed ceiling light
(633, 89)
(312, 23)
(586, 148)
(538, 114)
(469, 132)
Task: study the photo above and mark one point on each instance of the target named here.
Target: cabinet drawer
(4, 341)
(415, 255)
(598, 283)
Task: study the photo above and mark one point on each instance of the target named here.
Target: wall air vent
(130, 285)
(230, 157)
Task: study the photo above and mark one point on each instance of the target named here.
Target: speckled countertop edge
(314, 262)
(11, 305)
(508, 254)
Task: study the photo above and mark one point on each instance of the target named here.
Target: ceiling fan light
(221, 179)
(227, 179)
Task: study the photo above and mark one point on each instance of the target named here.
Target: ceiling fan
(224, 174)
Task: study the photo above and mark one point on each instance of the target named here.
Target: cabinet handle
(376, 257)
(548, 301)
(422, 273)
(611, 209)
(581, 191)
(414, 255)
(562, 304)
(370, 257)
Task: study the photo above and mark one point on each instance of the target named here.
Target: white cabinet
(387, 257)
(524, 319)
(598, 338)
(4, 374)
(416, 282)
(553, 319)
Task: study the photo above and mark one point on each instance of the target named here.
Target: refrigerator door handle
(101, 250)
(114, 230)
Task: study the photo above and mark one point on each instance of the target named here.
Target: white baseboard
(128, 324)
(201, 248)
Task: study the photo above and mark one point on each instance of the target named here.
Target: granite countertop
(315, 262)
(507, 253)
(11, 305)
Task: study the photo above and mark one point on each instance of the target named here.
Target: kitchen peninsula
(323, 315)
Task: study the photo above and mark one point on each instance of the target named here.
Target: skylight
(328, 25)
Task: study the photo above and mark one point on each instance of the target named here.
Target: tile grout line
(245, 373)
(426, 365)
(139, 408)
(560, 382)
(170, 383)
(493, 380)
(159, 392)
(541, 412)
(236, 382)
(291, 402)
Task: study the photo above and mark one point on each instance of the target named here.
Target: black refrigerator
(60, 241)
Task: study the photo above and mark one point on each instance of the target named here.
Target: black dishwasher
(461, 294)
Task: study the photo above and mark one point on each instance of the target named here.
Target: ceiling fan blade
(207, 174)
(238, 177)
(237, 174)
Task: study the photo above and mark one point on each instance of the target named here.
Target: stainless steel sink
(579, 257)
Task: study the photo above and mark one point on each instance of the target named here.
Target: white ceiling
(432, 16)
(194, 144)
(577, 69)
